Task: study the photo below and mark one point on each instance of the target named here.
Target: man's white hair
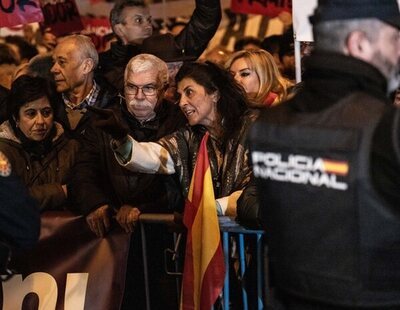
(146, 62)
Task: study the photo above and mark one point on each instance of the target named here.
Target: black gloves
(106, 120)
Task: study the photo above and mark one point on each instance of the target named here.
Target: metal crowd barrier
(229, 228)
(156, 218)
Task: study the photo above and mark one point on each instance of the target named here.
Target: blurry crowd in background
(18, 50)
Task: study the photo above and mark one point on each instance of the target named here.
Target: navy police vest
(331, 237)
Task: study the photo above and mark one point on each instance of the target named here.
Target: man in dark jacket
(101, 187)
(75, 59)
(327, 166)
(131, 22)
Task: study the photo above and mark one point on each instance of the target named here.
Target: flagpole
(297, 55)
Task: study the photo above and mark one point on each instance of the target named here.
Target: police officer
(327, 166)
(19, 216)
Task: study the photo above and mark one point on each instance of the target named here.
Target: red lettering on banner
(18, 12)
(271, 8)
(61, 16)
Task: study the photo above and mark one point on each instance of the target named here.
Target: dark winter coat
(19, 216)
(98, 172)
(43, 176)
(332, 232)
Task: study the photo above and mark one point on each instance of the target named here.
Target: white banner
(302, 9)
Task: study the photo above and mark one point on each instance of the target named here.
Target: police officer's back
(19, 215)
(327, 165)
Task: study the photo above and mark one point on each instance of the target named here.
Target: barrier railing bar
(242, 270)
(226, 257)
(226, 226)
(150, 218)
(259, 269)
(145, 270)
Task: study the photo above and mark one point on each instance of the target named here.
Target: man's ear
(118, 30)
(359, 46)
(88, 65)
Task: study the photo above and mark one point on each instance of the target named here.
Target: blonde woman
(259, 75)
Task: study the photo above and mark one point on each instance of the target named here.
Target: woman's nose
(39, 118)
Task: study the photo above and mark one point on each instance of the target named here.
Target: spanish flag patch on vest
(5, 166)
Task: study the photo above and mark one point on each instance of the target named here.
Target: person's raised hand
(107, 120)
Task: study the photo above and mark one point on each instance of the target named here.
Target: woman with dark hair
(35, 143)
(211, 101)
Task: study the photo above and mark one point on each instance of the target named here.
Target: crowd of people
(113, 135)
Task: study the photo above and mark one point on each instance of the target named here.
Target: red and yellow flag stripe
(204, 269)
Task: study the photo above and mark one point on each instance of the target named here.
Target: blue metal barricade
(229, 228)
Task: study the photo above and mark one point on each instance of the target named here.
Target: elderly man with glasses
(102, 189)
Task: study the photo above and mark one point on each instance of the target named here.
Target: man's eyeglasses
(147, 90)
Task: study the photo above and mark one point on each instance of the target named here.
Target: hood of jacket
(7, 132)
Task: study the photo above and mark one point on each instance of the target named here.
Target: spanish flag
(204, 268)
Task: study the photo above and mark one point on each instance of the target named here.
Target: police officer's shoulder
(5, 166)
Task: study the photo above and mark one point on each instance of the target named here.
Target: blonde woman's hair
(270, 78)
